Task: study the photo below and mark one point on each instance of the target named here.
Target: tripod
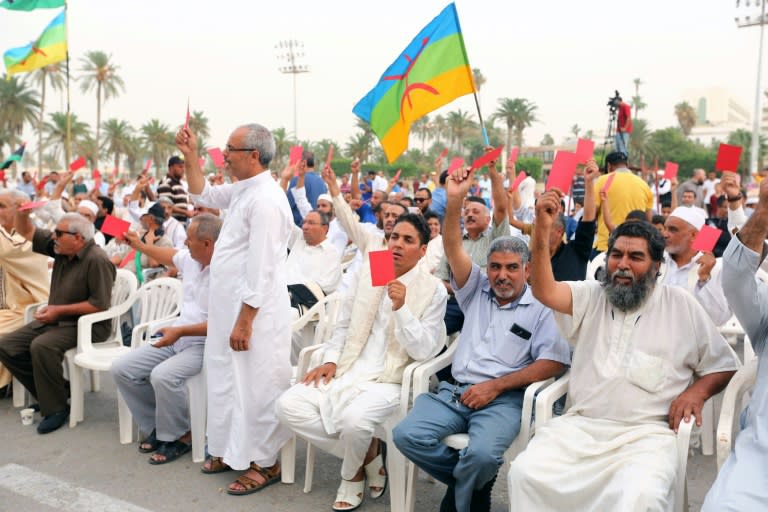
(609, 133)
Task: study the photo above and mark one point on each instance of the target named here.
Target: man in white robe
(637, 344)
(249, 334)
(380, 331)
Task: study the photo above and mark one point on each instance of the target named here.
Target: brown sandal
(271, 475)
(215, 465)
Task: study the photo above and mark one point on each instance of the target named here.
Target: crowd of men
(506, 267)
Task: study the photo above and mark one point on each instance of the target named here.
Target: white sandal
(349, 492)
(374, 477)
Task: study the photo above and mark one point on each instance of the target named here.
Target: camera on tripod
(613, 102)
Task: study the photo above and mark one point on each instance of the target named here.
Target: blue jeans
(491, 431)
(622, 142)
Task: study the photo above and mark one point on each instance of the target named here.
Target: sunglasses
(60, 233)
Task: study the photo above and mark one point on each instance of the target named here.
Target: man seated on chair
(738, 485)
(81, 283)
(23, 273)
(380, 331)
(152, 379)
(508, 341)
(638, 345)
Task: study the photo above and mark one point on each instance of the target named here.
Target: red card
(585, 148)
(444, 153)
(295, 155)
(670, 170)
(330, 156)
(518, 180)
(77, 164)
(186, 120)
(42, 183)
(147, 165)
(115, 172)
(563, 169)
(96, 174)
(608, 182)
(488, 157)
(456, 162)
(513, 155)
(397, 175)
(114, 226)
(707, 238)
(31, 205)
(217, 156)
(728, 158)
(382, 267)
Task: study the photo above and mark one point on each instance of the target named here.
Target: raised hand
(591, 171)
(458, 182)
(329, 177)
(730, 184)
(548, 207)
(186, 142)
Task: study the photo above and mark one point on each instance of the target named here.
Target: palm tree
(99, 73)
(56, 132)
(547, 140)
(639, 142)
(421, 129)
(52, 74)
(637, 101)
(117, 139)
(439, 128)
(87, 148)
(358, 146)
(19, 105)
(686, 117)
(158, 140)
(478, 78)
(460, 124)
(282, 146)
(575, 130)
(518, 114)
(198, 123)
(134, 152)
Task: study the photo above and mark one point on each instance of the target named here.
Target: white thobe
(435, 253)
(319, 264)
(248, 267)
(336, 234)
(176, 232)
(710, 295)
(340, 416)
(613, 449)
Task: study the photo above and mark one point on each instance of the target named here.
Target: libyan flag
(30, 5)
(15, 157)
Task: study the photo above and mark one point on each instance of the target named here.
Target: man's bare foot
(160, 458)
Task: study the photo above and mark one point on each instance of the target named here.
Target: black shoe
(53, 422)
(449, 501)
(481, 499)
(35, 407)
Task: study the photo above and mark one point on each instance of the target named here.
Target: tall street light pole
(749, 21)
(290, 52)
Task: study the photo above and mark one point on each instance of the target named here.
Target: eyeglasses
(60, 233)
(420, 199)
(231, 149)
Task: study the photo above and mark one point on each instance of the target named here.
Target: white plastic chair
(735, 398)
(552, 393)
(421, 376)
(396, 461)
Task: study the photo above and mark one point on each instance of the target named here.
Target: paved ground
(86, 469)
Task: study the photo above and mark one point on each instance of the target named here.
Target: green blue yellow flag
(431, 72)
(30, 5)
(49, 48)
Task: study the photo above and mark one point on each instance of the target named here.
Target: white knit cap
(325, 197)
(89, 205)
(693, 215)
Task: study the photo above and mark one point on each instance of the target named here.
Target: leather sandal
(215, 465)
(373, 475)
(349, 492)
(171, 451)
(150, 440)
(270, 475)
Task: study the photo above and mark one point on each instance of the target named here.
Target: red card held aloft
(295, 155)
(488, 157)
(456, 162)
(77, 164)
(217, 156)
(707, 238)
(728, 158)
(330, 156)
(115, 227)
(444, 153)
(563, 169)
(585, 148)
(382, 267)
(513, 155)
(608, 182)
(186, 119)
(147, 165)
(518, 180)
(670, 170)
(397, 175)
(96, 174)
(31, 205)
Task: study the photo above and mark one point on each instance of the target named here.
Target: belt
(453, 382)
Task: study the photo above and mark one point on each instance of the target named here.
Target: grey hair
(79, 224)
(560, 222)
(15, 194)
(325, 219)
(510, 244)
(260, 139)
(165, 200)
(208, 226)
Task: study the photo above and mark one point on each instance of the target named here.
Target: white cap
(89, 205)
(325, 197)
(693, 215)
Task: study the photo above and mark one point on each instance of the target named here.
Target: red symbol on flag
(408, 86)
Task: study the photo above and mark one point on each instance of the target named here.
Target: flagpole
(68, 144)
(482, 124)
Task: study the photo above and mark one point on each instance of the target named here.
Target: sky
(565, 56)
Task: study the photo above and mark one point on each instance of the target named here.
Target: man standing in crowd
(695, 185)
(27, 185)
(423, 199)
(81, 283)
(171, 187)
(623, 127)
(249, 330)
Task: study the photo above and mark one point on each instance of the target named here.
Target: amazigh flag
(49, 48)
(15, 157)
(431, 72)
(30, 5)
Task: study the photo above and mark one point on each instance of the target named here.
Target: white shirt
(175, 232)
(710, 295)
(194, 305)
(435, 252)
(320, 264)
(336, 234)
